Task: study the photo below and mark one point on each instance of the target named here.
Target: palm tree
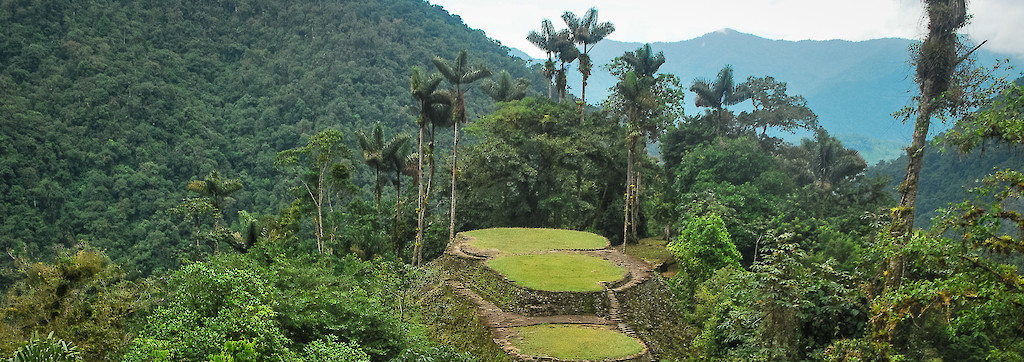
(639, 103)
(397, 160)
(373, 155)
(384, 156)
(565, 47)
(643, 62)
(586, 31)
(424, 89)
(718, 94)
(830, 161)
(505, 89)
(545, 40)
(216, 189)
(458, 73)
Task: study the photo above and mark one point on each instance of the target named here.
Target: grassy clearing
(575, 342)
(522, 240)
(651, 250)
(558, 272)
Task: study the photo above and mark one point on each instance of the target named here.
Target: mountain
(109, 109)
(854, 87)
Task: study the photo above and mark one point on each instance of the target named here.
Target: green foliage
(534, 166)
(235, 351)
(107, 110)
(210, 304)
(331, 350)
(702, 248)
(81, 298)
(283, 307)
(49, 349)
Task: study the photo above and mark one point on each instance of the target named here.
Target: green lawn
(559, 272)
(522, 240)
(575, 342)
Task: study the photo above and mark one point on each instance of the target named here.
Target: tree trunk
(634, 236)
(421, 204)
(936, 63)
(395, 234)
(455, 164)
(628, 201)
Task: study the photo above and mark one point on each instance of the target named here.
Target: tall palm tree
(638, 100)
(424, 88)
(639, 103)
(586, 31)
(458, 73)
(565, 47)
(719, 94)
(545, 40)
(505, 89)
(397, 161)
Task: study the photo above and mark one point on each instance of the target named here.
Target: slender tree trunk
(637, 179)
(630, 187)
(421, 203)
(395, 235)
(455, 164)
(377, 189)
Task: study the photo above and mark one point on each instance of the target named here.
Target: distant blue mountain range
(854, 87)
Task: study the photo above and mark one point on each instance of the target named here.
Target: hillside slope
(108, 109)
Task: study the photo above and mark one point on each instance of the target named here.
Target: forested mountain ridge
(108, 109)
(853, 86)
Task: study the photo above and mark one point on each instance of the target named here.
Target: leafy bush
(47, 349)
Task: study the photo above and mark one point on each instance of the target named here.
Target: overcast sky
(999, 21)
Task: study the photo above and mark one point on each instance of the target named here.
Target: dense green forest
(265, 181)
(110, 109)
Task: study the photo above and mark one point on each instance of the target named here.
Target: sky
(1001, 22)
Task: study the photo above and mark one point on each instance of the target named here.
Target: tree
(717, 95)
(587, 32)
(458, 73)
(384, 156)
(936, 62)
(830, 162)
(322, 169)
(648, 103)
(505, 88)
(215, 188)
(545, 40)
(565, 47)
(774, 108)
(435, 105)
(702, 248)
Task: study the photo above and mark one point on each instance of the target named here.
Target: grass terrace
(523, 240)
(558, 272)
(575, 342)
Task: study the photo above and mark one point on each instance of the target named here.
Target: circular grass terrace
(575, 342)
(557, 272)
(525, 240)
